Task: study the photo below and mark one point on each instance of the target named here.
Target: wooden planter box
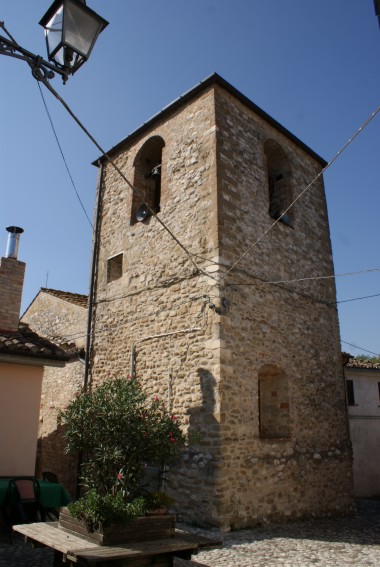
(142, 529)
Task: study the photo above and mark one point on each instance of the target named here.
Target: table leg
(59, 560)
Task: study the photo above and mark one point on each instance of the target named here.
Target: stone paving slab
(334, 542)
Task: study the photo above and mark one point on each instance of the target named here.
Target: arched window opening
(147, 179)
(279, 182)
(274, 416)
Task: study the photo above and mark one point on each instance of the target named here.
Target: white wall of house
(20, 391)
(364, 420)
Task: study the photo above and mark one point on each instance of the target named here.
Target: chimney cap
(14, 229)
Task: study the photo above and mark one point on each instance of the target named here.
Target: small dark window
(378, 384)
(114, 268)
(350, 392)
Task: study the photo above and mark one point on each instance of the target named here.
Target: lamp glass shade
(71, 30)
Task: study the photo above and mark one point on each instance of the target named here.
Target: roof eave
(362, 369)
(28, 360)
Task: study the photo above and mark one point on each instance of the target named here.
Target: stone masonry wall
(204, 348)
(157, 306)
(58, 319)
(65, 323)
(287, 328)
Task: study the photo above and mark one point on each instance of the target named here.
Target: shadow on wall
(201, 466)
(201, 418)
(51, 456)
(201, 463)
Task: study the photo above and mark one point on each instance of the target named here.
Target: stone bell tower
(199, 295)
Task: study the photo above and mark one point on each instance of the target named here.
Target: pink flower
(172, 439)
(156, 399)
(120, 476)
(173, 417)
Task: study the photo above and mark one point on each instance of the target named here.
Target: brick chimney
(11, 282)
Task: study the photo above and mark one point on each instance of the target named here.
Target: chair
(22, 503)
(27, 491)
(49, 477)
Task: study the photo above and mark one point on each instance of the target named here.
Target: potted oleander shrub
(117, 430)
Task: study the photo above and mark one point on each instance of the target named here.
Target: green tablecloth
(52, 495)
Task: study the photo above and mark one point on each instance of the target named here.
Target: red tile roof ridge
(76, 298)
(355, 363)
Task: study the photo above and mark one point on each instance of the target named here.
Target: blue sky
(313, 66)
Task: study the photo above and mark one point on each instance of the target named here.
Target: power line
(358, 298)
(306, 295)
(67, 167)
(156, 313)
(188, 253)
(360, 348)
(123, 176)
(191, 255)
(78, 335)
(63, 156)
(365, 123)
(326, 277)
(311, 278)
(164, 285)
(77, 194)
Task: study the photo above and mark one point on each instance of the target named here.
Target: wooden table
(70, 550)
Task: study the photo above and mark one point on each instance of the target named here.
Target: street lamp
(71, 30)
(377, 8)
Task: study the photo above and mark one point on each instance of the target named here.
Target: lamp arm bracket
(41, 70)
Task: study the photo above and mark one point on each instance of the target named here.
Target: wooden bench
(71, 550)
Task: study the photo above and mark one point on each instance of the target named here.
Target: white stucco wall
(364, 419)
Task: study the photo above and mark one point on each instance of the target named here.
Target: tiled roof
(24, 342)
(66, 344)
(355, 363)
(76, 298)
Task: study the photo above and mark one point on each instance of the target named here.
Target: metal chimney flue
(13, 241)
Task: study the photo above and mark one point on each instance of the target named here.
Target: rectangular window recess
(350, 392)
(114, 268)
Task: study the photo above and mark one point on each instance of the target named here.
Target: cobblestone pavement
(334, 542)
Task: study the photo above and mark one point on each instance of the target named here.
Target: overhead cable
(358, 298)
(360, 348)
(326, 277)
(311, 278)
(329, 164)
(130, 321)
(123, 176)
(63, 156)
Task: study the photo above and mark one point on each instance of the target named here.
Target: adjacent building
(62, 318)
(24, 355)
(363, 402)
